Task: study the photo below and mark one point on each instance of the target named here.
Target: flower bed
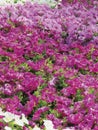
(49, 67)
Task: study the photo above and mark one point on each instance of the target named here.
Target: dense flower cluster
(49, 66)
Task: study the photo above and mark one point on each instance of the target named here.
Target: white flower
(7, 128)
(52, 82)
(5, 2)
(49, 2)
(19, 121)
(2, 2)
(36, 128)
(24, 119)
(8, 117)
(49, 125)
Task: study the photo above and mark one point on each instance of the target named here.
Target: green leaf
(91, 90)
(79, 95)
(61, 83)
(3, 58)
(42, 103)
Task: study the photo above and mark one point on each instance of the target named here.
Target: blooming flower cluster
(14, 119)
(17, 120)
(49, 67)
